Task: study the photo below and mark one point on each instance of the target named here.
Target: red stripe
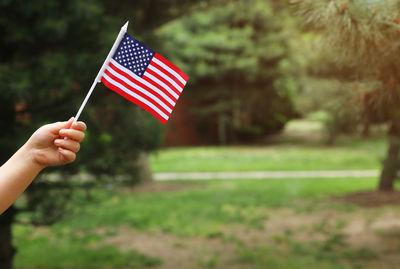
(167, 73)
(162, 80)
(126, 85)
(122, 73)
(133, 100)
(173, 67)
(155, 84)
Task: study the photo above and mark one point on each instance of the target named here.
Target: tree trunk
(144, 170)
(7, 251)
(391, 163)
(222, 133)
(366, 132)
(7, 145)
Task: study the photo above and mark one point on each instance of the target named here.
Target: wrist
(32, 157)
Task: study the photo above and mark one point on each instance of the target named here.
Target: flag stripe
(143, 83)
(144, 94)
(166, 76)
(158, 83)
(115, 86)
(175, 71)
(150, 94)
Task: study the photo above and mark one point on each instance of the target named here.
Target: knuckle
(77, 147)
(71, 157)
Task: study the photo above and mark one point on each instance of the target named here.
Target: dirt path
(375, 230)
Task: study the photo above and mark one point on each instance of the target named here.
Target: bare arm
(46, 147)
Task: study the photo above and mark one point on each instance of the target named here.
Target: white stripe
(134, 95)
(137, 87)
(162, 84)
(166, 67)
(129, 72)
(163, 75)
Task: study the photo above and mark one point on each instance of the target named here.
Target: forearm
(16, 175)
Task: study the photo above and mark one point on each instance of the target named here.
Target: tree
(238, 59)
(363, 36)
(51, 52)
(46, 50)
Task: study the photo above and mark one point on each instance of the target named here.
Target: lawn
(249, 224)
(347, 154)
(288, 223)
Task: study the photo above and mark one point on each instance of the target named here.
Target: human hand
(48, 147)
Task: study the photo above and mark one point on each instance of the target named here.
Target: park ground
(280, 223)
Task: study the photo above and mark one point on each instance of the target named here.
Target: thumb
(56, 127)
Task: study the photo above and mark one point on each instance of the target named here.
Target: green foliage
(362, 38)
(118, 133)
(339, 101)
(238, 58)
(47, 51)
(51, 52)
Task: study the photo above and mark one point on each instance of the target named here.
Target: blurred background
(282, 152)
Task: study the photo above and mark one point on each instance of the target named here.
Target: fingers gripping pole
(103, 67)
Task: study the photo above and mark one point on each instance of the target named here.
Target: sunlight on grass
(347, 155)
(302, 126)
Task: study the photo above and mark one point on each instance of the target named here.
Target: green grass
(348, 154)
(68, 250)
(203, 211)
(209, 210)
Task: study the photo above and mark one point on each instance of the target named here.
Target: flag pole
(103, 67)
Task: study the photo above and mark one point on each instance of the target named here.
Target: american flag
(144, 77)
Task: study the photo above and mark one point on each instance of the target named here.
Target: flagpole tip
(125, 27)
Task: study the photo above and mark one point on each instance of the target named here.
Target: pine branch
(359, 32)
